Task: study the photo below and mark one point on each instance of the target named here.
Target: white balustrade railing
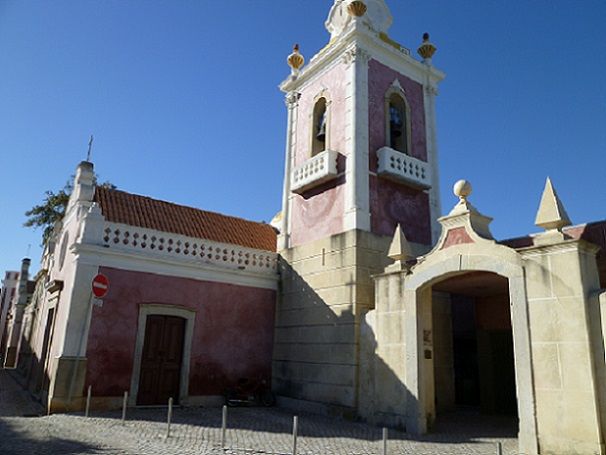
(318, 169)
(134, 239)
(404, 168)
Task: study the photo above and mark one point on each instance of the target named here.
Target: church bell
(395, 120)
(321, 136)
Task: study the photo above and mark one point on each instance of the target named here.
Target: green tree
(52, 209)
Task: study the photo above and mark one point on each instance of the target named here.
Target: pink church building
(362, 299)
(188, 313)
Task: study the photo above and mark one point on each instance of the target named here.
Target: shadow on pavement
(24, 436)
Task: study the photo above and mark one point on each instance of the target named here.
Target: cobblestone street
(250, 430)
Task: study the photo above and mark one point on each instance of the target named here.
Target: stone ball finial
(357, 8)
(295, 60)
(462, 189)
(426, 49)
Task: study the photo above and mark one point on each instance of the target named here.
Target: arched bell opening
(319, 127)
(398, 128)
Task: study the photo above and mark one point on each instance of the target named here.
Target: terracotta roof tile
(121, 207)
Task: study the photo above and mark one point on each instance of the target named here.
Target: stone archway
(440, 265)
(466, 245)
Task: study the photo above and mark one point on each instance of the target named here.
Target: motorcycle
(247, 392)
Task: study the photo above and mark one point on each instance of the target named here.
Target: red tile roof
(121, 207)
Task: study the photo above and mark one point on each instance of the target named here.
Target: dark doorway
(479, 345)
(160, 377)
(465, 352)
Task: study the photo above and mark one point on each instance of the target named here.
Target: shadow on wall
(376, 378)
(21, 435)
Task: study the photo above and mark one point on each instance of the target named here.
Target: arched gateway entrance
(454, 327)
(442, 325)
(468, 276)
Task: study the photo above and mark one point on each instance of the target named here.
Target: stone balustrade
(315, 171)
(403, 168)
(134, 239)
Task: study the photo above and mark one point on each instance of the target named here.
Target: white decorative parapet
(404, 168)
(133, 239)
(319, 169)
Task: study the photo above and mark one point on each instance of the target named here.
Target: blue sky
(182, 99)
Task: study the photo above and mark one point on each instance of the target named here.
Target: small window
(319, 127)
(397, 121)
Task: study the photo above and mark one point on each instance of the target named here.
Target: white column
(292, 101)
(435, 206)
(357, 206)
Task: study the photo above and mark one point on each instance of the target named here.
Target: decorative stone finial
(551, 214)
(426, 49)
(462, 189)
(357, 8)
(295, 60)
(399, 250)
(376, 14)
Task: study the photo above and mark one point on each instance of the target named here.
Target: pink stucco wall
(380, 78)
(392, 203)
(456, 236)
(232, 339)
(318, 213)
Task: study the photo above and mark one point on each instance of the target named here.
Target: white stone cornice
(431, 90)
(566, 246)
(354, 54)
(398, 59)
(146, 262)
(292, 99)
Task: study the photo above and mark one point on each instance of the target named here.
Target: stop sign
(100, 286)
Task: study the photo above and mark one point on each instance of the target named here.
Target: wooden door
(161, 360)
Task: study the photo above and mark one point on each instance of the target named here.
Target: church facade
(332, 310)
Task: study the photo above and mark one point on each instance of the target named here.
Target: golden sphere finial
(357, 8)
(426, 49)
(295, 60)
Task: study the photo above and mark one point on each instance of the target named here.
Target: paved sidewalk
(251, 431)
(14, 401)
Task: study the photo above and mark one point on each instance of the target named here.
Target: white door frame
(155, 309)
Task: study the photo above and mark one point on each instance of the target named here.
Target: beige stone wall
(383, 394)
(326, 288)
(560, 278)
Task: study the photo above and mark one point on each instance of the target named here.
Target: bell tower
(361, 159)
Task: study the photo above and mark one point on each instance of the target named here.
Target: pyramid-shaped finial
(399, 250)
(551, 214)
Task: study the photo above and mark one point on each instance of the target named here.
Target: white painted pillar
(435, 206)
(357, 204)
(292, 101)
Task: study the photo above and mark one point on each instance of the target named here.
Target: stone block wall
(326, 289)
(560, 279)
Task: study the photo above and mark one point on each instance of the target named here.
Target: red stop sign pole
(100, 286)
